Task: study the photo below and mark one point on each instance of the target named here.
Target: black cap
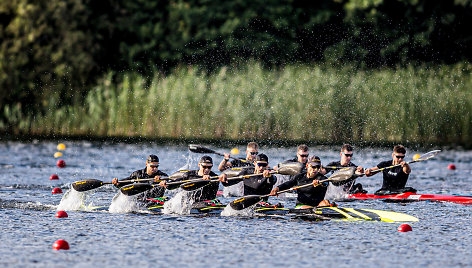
(261, 158)
(152, 158)
(314, 161)
(206, 160)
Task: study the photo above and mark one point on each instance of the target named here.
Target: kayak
(215, 207)
(340, 214)
(411, 197)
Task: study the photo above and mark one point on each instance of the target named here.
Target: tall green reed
(429, 104)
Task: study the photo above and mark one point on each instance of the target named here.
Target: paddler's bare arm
(225, 164)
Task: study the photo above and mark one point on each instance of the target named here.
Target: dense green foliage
(297, 102)
(54, 53)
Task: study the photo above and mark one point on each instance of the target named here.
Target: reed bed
(313, 103)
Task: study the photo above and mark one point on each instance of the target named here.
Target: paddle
(86, 185)
(290, 168)
(423, 157)
(249, 200)
(203, 150)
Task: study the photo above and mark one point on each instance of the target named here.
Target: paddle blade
(178, 174)
(200, 149)
(245, 202)
(290, 168)
(86, 185)
(238, 171)
(342, 174)
(135, 189)
(195, 185)
(427, 155)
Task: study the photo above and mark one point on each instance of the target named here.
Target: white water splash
(123, 204)
(73, 200)
(234, 190)
(180, 204)
(228, 211)
(335, 192)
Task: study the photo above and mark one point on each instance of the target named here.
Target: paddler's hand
(157, 179)
(368, 172)
(265, 173)
(274, 192)
(324, 203)
(359, 170)
(206, 177)
(115, 181)
(406, 167)
(223, 178)
(226, 157)
(275, 167)
(163, 184)
(316, 183)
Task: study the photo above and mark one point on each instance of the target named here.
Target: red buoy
(61, 214)
(61, 163)
(404, 228)
(451, 167)
(53, 177)
(57, 190)
(60, 244)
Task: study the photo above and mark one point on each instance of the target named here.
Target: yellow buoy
(57, 154)
(234, 151)
(61, 147)
(416, 156)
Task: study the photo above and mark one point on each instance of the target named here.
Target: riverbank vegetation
(296, 102)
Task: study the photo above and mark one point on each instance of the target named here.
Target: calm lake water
(442, 237)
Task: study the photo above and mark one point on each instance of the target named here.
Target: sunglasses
(254, 153)
(400, 156)
(262, 164)
(303, 155)
(206, 167)
(348, 155)
(315, 167)
(154, 166)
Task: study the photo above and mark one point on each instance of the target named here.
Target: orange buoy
(61, 147)
(404, 228)
(61, 163)
(451, 167)
(61, 214)
(53, 177)
(60, 244)
(57, 154)
(234, 151)
(57, 190)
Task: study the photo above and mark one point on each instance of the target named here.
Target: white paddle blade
(342, 174)
(290, 168)
(428, 155)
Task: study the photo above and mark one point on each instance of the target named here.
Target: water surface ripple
(442, 237)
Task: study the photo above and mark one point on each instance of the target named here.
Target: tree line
(59, 49)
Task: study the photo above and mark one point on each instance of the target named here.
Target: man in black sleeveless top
(394, 179)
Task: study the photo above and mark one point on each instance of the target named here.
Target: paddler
(204, 172)
(256, 185)
(312, 196)
(252, 150)
(151, 171)
(349, 186)
(394, 179)
(302, 157)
